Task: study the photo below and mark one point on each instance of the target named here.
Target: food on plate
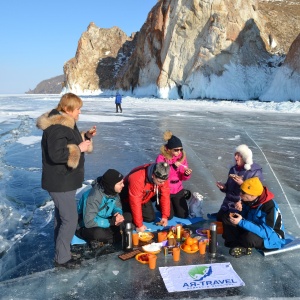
(194, 247)
(144, 257)
(153, 247)
(186, 247)
(145, 236)
(189, 241)
(190, 245)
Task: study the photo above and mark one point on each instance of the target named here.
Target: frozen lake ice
(209, 130)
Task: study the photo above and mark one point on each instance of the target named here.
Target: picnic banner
(200, 277)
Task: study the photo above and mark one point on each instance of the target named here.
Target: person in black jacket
(63, 148)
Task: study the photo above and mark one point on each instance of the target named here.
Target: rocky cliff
(99, 56)
(49, 86)
(218, 49)
(285, 84)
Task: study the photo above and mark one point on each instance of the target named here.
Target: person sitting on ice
(100, 210)
(143, 185)
(258, 224)
(243, 169)
(173, 154)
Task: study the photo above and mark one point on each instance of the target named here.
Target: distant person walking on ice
(118, 102)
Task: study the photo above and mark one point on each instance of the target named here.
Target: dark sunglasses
(177, 149)
(242, 192)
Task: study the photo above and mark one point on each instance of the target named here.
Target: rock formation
(100, 54)
(49, 86)
(193, 46)
(216, 49)
(286, 82)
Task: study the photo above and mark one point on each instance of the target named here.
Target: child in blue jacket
(99, 209)
(258, 225)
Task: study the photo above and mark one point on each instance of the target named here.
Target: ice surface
(209, 130)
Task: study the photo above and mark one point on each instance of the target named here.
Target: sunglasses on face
(242, 192)
(177, 149)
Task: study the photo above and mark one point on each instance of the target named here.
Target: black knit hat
(161, 170)
(109, 180)
(173, 142)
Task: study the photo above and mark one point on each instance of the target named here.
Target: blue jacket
(264, 219)
(118, 99)
(97, 208)
(232, 189)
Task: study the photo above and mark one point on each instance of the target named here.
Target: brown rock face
(292, 60)
(100, 54)
(282, 21)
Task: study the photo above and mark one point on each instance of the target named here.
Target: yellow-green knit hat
(252, 186)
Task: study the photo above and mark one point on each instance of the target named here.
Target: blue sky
(38, 37)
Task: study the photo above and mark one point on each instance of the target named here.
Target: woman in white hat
(243, 169)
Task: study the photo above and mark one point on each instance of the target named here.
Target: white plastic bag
(195, 204)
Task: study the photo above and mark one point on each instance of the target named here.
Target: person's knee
(127, 217)
(149, 218)
(182, 214)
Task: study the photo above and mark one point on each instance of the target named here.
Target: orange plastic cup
(208, 234)
(161, 236)
(152, 261)
(135, 239)
(176, 253)
(202, 247)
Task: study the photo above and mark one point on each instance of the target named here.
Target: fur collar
(168, 156)
(54, 118)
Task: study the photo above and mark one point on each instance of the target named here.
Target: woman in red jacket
(141, 185)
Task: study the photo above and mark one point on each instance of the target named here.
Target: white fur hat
(246, 154)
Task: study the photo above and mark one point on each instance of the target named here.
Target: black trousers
(118, 106)
(236, 236)
(106, 235)
(147, 211)
(179, 205)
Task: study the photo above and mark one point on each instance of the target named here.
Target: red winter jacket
(141, 190)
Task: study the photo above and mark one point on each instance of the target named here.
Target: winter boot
(240, 251)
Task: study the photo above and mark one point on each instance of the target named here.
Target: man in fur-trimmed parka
(63, 148)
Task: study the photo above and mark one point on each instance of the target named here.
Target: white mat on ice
(200, 277)
(291, 244)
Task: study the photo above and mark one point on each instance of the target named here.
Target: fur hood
(48, 119)
(168, 156)
(55, 117)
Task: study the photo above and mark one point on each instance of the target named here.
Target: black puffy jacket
(63, 162)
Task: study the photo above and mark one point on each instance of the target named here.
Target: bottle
(127, 237)
(213, 240)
